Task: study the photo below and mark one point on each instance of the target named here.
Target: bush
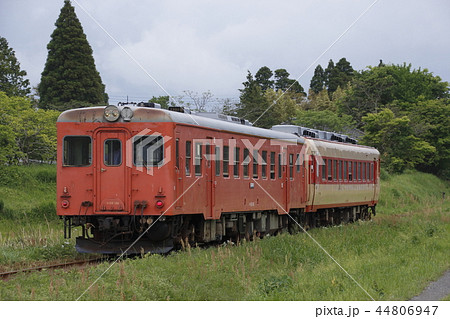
(45, 209)
(46, 176)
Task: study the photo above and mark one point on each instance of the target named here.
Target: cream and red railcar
(141, 175)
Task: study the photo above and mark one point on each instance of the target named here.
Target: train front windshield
(148, 150)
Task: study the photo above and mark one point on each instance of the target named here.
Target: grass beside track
(393, 257)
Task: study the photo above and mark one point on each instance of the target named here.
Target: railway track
(78, 263)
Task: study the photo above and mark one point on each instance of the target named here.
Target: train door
(179, 173)
(288, 178)
(210, 178)
(112, 182)
(311, 172)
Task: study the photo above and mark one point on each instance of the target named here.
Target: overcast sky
(210, 45)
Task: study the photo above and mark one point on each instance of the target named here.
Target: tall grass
(392, 257)
(30, 231)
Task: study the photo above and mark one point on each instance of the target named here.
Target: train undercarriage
(160, 234)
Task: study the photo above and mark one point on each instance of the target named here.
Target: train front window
(148, 150)
(112, 152)
(77, 151)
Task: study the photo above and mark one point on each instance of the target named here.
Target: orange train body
(158, 177)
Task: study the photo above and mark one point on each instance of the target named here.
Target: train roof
(150, 114)
(344, 150)
(280, 132)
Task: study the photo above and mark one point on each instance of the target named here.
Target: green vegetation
(12, 80)
(403, 112)
(30, 231)
(25, 132)
(393, 257)
(70, 78)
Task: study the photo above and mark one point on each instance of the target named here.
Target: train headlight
(127, 114)
(111, 113)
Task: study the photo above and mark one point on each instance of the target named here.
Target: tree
(324, 120)
(70, 77)
(318, 80)
(394, 138)
(282, 108)
(25, 132)
(161, 100)
(430, 121)
(338, 75)
(12, 80)
(200, 102)
(252, 102)
(263, 78)
(398, 87)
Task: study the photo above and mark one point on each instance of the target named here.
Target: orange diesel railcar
(138, 178)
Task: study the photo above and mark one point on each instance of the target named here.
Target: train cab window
(112, 152)
(246, 162)
(217, 160)
(226, 161)
(188, 158)
(350, 171)
(148, 150)
(264, 164)
(297, 163)
(198, 159)
(255, 163)
(236, 162)
(272, 165)
(77, 151)
(329, 167)
(291, 166)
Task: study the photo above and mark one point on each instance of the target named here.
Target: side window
(246, 162)
(198, 159)
(188, 157)
(350, 171)
(324, 170)
(297, 163)
(255, 163)
(291, 166)
(112, 152)
(226, 161)
(359, 171)
(272, 165)
(345, 170)
(264, 164)
(280, 169)
(236, 162)
(340, 164)
(217, 155)
(334, 169)
(177, 153)
(77, 151)
(330, 177)
(148, 150)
